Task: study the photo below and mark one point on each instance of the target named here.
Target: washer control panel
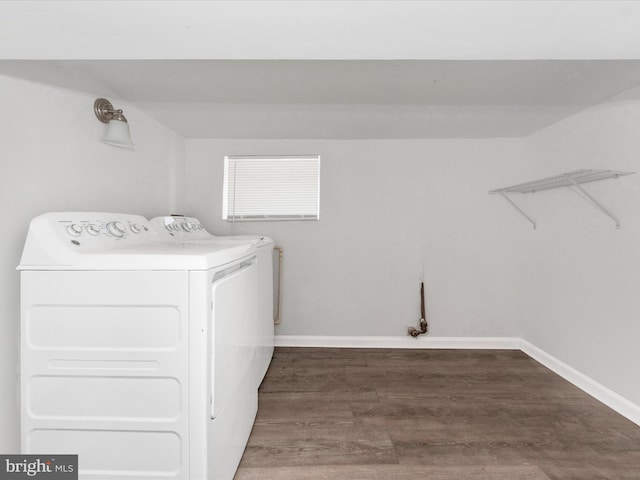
(58, 238)
(94, 230)
(113, 227)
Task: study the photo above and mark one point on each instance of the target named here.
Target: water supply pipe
(413, 331)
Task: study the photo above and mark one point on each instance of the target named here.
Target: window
(271, 188)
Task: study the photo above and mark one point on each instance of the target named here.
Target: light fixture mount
(105, 112)
(116, 132)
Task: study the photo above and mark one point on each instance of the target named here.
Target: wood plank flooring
(373, 414)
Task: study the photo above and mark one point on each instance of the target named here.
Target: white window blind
(271, 188)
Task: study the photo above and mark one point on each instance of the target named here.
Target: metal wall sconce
(117, 132)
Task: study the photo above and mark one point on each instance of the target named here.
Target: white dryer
(134, 353)
(189, 229)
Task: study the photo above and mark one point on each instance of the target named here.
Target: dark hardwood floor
(439, 414)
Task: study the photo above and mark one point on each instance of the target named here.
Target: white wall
(584, 300)
(389, 208)
(52, 160)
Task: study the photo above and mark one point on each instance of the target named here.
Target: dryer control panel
(189, 229)
(180, 228)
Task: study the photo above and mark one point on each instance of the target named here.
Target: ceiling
(319, 29)
(332, 69)
(348, 98)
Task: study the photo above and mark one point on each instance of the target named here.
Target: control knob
(74, 229)
(116, 229)
(92, 229)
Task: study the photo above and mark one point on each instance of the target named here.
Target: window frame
(228, 212)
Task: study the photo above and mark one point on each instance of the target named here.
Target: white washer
(189, 229)
(134, 353)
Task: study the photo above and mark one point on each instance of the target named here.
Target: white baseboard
(610, 398)
(496, 343)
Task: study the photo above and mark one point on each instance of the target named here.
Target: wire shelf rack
(569, 179)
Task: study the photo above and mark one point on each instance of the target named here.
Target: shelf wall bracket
(596, 203)
(504, 195)
(569, 179)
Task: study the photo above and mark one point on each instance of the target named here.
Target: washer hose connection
(413, 331)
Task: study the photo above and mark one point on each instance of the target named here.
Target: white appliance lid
(112, 241)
